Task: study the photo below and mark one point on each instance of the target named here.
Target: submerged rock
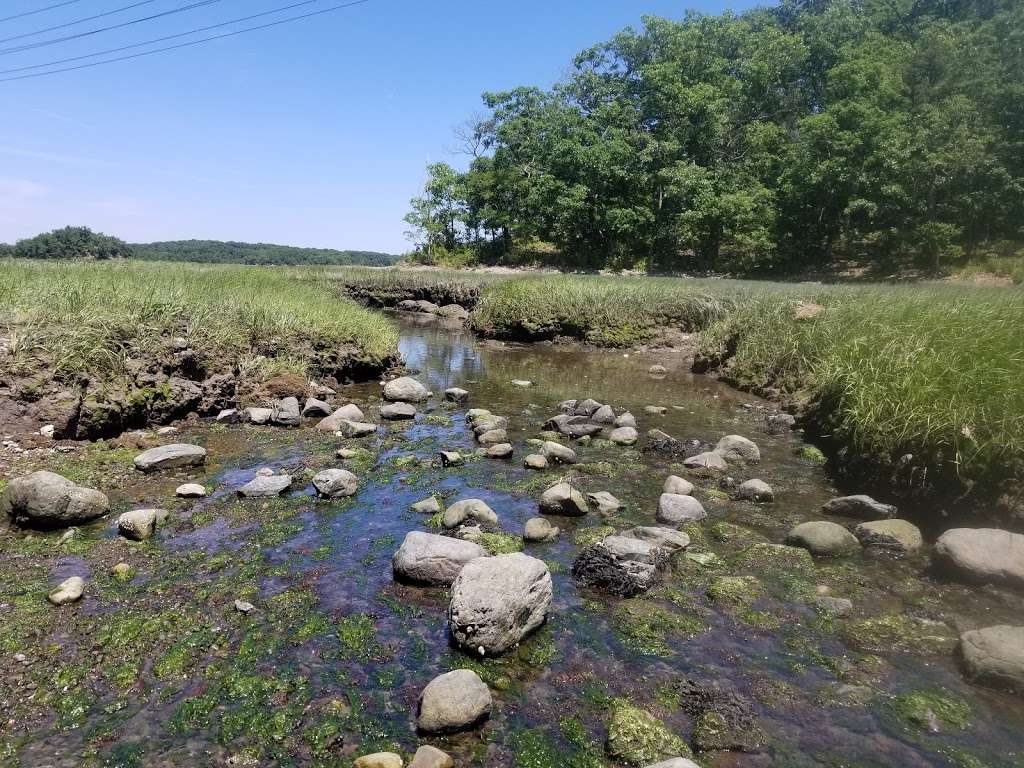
(563, 499)
(170, 457)
(335, 483)
(456, 395)
(638, 738)
(499, 450)
(755, 490)
(738, 448)
(620, 565)
(428, 506)
(349, 412)
(68, 591)
(675, 762)
(995, 656)
(723, 719)
(426, 558)
(450, 458)
(452, 702)
(47, 500)
(398, 411)
(859, 506)
(676, 509)
(263, 486)
(497, 601)
(468, 509)
(539, 529)
(982, 555)
(823, 539)
(895, 537)
(405, 389)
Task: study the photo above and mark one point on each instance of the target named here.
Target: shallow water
(331, 662)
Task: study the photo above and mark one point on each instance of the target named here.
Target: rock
(677, 485)
(860, 506)
(740, 449)
(405, 389)
(563, 499)
(657, 370)
(586, 407)
(709, 460)
(497, 601)
(287, 412)
(265, 472)
(450, 458)
(781, 422)
(604, 503)
(488, 423)
(452, 312)
(521, 383)
(354, 429)
(557, 453)
(755, 490)
(253, 415)
(624, 436)
(994, 656)
(346, 453)
(431, 757)
(567, 406)
(335, 483)
(897, 537)
(349, 412)
(166, 431)
(539, 529)
(676, 509)
(535, 461)
(426, 558)
(47, 500)
(492, 437)
(452, 702)
(655, 410)
(667, 538)
(190, 491)
(379, 760)
(398, 411)
(228, 416)
(620, 565)
(266, 485)
(315, 407)
(429, 506)
(122, 571)
(833, 606)
(68, 591)
(48, 430)
(603, 415)
(675, 762)
(468, 509)
(823, 539)
(499, 450)
(456, 395)
(982, 555)
(636, 737)
(137, 524)
(477, 413)
(170, 457)
(626, 420)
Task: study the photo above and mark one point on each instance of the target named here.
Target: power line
(39, 10)
(163, 39)
(189, 43)
(78, 21)
(55, 40)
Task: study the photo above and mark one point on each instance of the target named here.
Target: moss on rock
(636, 737)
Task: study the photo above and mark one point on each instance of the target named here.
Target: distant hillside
(219, 252)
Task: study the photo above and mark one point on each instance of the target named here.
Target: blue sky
(314, 133)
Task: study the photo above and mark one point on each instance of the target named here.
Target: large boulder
(47, 500)
(626, 419)
(676, 509)
(995, 656)
(335, 483)
(468, 509)
(823, 539)
(456, 395)
(405, 389)
(860, 506)
(349, 412)
(170, 457)
(452, 702)
(497, 601)
(426, 558)
(563, 499)
(621, 565)
(982, 555)
(895, 537)
(739, 449)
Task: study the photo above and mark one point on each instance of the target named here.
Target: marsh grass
(387, 287)
(89, 318)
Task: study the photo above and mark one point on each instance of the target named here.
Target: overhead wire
(190, 42)
(23, 14)
(75, 22)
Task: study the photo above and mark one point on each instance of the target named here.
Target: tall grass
(89, 318)
(387, 287)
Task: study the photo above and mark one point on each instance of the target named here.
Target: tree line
(83, 243)
(884, 132)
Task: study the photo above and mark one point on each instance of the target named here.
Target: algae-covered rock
(823, 538)
(735, 591)
(900, 633)
(638, 738)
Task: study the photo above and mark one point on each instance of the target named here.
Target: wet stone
(563, 499)
(736, 448)
(859, 506)
(456, 395)
(347, 428)
(398, 412)
(263, 486)
(558, 454)
(379, 760)
(190, 491)
(755, 490)
(314, 407)
(405, 389)
(431, 757)
(468, 509)
(535, 461)
(499, 451)
(348, 412)
(538, 529)
(823, 539)
(429, 559)
(450, 458)
(894, 537)
(259, 416)
(68, 591)
(709, 460)
(676, 509)
(452, 702)
(139, 524)
(170, 457)
(287, 413)
(604, 503)
(335, 483)
(428, 506)
(624, 436)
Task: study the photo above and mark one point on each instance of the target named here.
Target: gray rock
(453, 312)
(287, 413)
(580, 431)
(626, 419)
(568, 406)
(621, 565)
(468, 509)
(315, 407)
(995, 656)
(47, 500)
(405, 389)
(558, 454)
(896, 537)
(170, 457)
(266, 485)
(860, 506)
(709, 460)
(456, 395)
(452, 702)
(349, 412)
(624, 436)
(739, 449)
(833, 606)
(167, 431)
(755, 490)
(535, 461)
(355, 429)
(657, 370)
(603, 415)
(429, 506)
(335, 483)
(379, 759)
(190, 491)
(398, 411)
(823, 538)
(431, 757)
(655, 410)
(253, 415)
(244, 607)
(488, 423)
(781, 422)
(425, 558)
(563, 499)
(604, 503)
(676, 509)
(492, 437)
(497, 601)
(666, 538)
(586, 407)
(677, 485)
(228, 416)
(539, 529)
(68, 591)
(450, 458)
(522, 383)
(499, 450)
(474, 414)
(139, 524)
(982, 555)
(675, 762)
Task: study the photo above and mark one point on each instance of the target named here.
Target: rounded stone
(466, 509)
(170, 457)
(47, 500)
(897, 537)
(563, 499)
(823, 539)
(190, 491)
(426, 558)
(139, 524)
(995, 656)
(624, 436)
(335, 483)
(676, 509)
(398, 411)
(68, 591)
(755, 490)
(677, 485)
(405, 389)
(982, 555)
(535, 461)
(557, 453)
(539, 529)
(452, 702)
(738, 448)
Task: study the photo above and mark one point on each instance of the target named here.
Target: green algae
(500, 543)
(638, 738)
(931, 710)
(584, 537)
(735, 591)
(646, 628)
(899, 633)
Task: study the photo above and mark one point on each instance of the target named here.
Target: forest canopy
(877, 131)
